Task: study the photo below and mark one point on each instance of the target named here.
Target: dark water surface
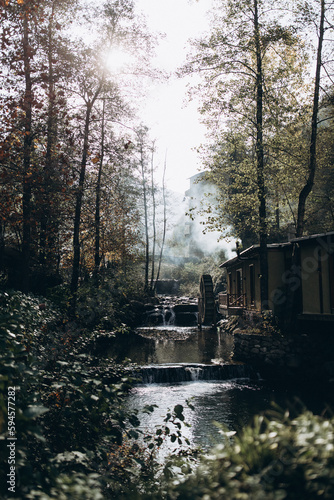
(191, 346)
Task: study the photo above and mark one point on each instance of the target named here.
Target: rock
(182, 308)
(329, 368)
(155, 319)
(167, 316)
(136, 306)
(278, 352)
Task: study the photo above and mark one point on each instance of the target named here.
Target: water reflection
(183, 345)
(232, 403)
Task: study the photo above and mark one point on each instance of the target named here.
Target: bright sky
(173, 123)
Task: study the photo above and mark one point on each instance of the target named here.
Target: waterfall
(168, 316)
(189, 372)
(170, 312)
(195, 372)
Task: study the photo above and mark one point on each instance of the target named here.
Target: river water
(170, 344)
(231, 401)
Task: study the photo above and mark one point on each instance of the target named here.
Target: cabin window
(252, 284)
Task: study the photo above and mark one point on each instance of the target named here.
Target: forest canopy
(77, 188)
(71, 142)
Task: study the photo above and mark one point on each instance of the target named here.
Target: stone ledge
(302, 355)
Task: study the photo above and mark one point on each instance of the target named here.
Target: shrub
(274, 459)
(68, 404)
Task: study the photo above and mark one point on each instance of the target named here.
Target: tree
(27, 146)
(143, 160)
(118, 26)
(164, 222)
(61, 110)
(56, 69)
(230, 167)
(34, 62)
(239, 82)
(154, 220)
(91, 84)
(307, 188)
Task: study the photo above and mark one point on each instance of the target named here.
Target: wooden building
(317, 277)
(300, 275)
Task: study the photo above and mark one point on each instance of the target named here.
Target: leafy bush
(76, 439)
(69, 404)
(274, 459)
(103, 304)
(135, 470)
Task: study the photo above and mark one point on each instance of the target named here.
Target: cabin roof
(253, 250)
(312, 236)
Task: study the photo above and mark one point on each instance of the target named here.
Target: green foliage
(76, 439)
(134, 468)
(263, 324)
(69, 404)
(75, 436)
(174, 418)
(18, 370)
(227, 60)
(277, 457)
(103, 303)
(107, 306)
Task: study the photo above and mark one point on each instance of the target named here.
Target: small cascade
(195, 372)
(190, 372)
(181, 311)
(168, 316)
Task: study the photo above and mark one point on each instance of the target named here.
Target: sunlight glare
(117, 59)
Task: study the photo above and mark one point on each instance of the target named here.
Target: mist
(187, 236)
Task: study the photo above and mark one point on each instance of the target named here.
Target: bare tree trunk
(147, 242)
(97, 258)
(313, 144)
(51, 141)
(260, 165)
(154, 224)
(78, 205)
(27, 145)
(165, 224)
(77, 215)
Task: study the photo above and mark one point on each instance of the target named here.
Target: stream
(181, 364)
